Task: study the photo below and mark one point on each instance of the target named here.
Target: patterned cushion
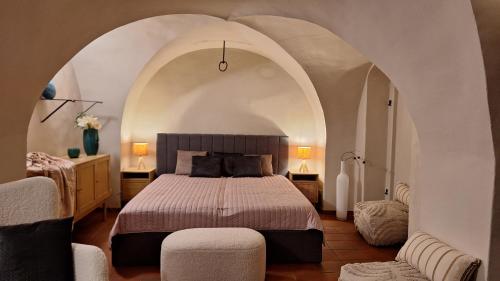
(382, 222)
(402, 193)
(435, 259)
(380, 271)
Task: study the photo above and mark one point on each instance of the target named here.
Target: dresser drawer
(309, 189)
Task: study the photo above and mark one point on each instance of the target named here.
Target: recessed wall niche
(254, 96)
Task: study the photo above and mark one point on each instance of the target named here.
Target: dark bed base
(282, 246)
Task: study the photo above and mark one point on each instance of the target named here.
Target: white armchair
(35, 199)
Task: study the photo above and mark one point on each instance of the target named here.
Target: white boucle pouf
(213, 254)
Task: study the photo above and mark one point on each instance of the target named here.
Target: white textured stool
(213, 254)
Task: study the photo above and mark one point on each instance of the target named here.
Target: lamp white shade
(342, 193)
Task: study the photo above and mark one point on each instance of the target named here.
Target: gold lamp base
(303, 167)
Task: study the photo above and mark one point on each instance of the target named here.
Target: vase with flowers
(91, 126)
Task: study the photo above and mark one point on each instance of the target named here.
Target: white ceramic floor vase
(342, 192)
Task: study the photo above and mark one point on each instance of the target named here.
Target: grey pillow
(185, 161)
(247, 166)
(206, 167)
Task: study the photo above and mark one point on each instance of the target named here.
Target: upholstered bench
(422, 257)
(213, 254)
(384, 222)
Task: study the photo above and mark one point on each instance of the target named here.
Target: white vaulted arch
(429, 49)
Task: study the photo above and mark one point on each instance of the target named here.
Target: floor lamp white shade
(342, 193)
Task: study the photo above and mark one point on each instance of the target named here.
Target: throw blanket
(61, 171)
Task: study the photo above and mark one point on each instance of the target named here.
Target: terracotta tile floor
(343, 245)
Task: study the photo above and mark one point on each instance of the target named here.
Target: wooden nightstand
(134, 180)
(307, 183)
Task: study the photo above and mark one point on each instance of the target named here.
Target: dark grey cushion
(37, 251)
(227, 162)
(247, 166)
(206, 166)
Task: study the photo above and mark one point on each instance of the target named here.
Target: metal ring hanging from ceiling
(223, 63)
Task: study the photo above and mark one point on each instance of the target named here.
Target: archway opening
(429, 86)
(339, 104)
(255, 96)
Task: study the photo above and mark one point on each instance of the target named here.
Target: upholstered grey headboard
(168, 144)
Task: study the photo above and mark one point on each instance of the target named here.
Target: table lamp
(303, 152)
(140, 149)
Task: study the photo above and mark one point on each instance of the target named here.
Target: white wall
(406, 147)
(337, 71)
(358, 176)
(371, 139)
(108, 63)
(376, 135)
(58, 133)
(386, 138)
(254, 96)
(107, 68)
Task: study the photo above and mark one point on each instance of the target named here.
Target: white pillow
(402, 193)
(436, 260)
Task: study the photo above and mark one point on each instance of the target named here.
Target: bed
(271, 205)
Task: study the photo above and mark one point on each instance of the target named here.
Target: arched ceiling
(430, 49)
(337, 72)
(309, 43)
(237, 36)
(117, 63)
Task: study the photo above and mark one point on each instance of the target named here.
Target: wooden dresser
(307, 183)
(92, 184)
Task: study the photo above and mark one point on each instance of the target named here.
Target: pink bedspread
(174, 202)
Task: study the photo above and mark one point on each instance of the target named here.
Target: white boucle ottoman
(213, 254)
